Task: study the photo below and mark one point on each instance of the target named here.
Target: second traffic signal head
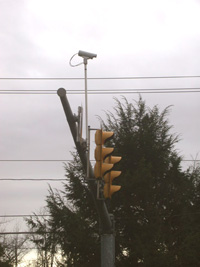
(109, 188)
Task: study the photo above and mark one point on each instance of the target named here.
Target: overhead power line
(106, 91)
(50, 215)
(24, 215)
(35, 160)
(52, 232)
(34, 180)
(61, 160)
(103, 78)
(25, 233)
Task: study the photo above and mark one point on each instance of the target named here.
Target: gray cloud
(36, 41)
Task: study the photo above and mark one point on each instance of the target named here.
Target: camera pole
(86, 56)
(86, 119)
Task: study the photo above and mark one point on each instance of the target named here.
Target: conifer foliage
(157, 209)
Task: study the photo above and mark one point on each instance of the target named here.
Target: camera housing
(86, 55)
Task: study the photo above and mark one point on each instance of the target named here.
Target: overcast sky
(131, 39)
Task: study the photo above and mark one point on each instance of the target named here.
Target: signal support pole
(106, 222)
(108, 247)
(107, 250)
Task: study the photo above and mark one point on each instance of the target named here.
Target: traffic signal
(101, 153)
(109, 188)
(105, 162)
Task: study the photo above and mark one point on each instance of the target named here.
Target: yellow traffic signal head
(101, 168)
(101, 137)
(113, 159)
(102, 152)
(109, 188)
(105, 163)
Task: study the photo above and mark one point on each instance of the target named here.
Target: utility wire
(122, 93)
(103, 78)
(35, 160)
(25, 233)
(49, 215)
(101, 90)
(49, 232)
(34, 180)
(24, 215)
(60, 179)
(104, 91)
(60, 160)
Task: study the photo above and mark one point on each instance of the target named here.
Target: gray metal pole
(86, 119)
(106, 219)
(86, 100)
(107, 250)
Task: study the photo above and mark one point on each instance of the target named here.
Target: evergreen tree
(155, 192)
(153, 225)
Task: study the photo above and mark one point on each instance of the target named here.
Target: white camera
(86, 55)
